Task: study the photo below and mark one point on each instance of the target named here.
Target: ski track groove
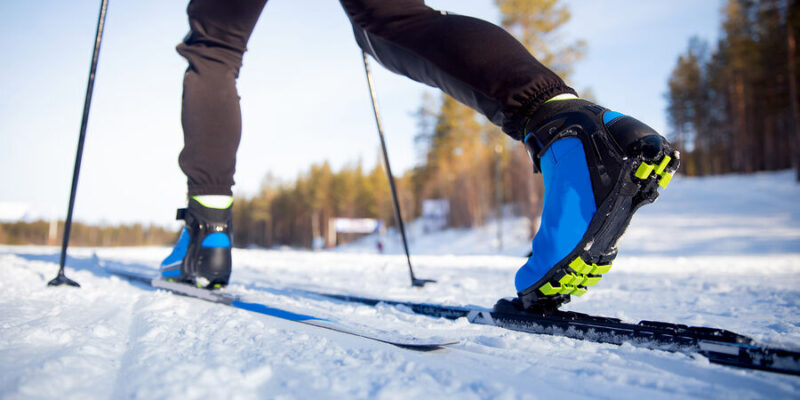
(128, 357)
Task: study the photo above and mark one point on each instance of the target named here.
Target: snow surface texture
(721, 251)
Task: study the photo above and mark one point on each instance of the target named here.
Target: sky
(303, 94)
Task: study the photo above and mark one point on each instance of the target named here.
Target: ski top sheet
(376, 334)
(718, 345)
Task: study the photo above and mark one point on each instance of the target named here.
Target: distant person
(598, 165)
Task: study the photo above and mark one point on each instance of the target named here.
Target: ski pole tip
(421, 282)
(62, 279)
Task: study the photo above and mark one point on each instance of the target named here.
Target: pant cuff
(201, 190)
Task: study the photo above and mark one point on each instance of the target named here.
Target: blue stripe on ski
(275, 312)
(145, 275)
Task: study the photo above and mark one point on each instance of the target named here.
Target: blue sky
(304, 96)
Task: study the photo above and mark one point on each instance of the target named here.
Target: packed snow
(718, 251)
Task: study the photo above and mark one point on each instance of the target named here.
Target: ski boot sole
(198, 283)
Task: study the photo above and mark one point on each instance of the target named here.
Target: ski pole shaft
(101, 19)
(396, 204)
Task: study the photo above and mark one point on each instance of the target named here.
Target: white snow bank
(730, 214)
(115, 339)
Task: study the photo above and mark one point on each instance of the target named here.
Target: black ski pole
(397, 215)
(61, 278)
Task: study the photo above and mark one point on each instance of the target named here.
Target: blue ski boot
(598, 167)
(202, 256)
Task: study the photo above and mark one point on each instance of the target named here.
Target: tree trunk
(740, 145)
(793, 93)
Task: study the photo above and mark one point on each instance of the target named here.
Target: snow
(719, 251)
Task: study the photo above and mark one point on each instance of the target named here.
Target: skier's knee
(211, 59)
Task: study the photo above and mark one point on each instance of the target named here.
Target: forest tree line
(52, 234)
(734, 107)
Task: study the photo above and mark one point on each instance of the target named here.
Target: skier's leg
(211, 118)
(476, 62)
(598, 166)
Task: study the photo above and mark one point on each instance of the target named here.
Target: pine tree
(536, 23)
(471, 162)
(737, 109)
